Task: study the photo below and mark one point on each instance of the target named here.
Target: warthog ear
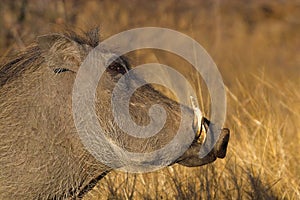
(60, 52)
(45, 42)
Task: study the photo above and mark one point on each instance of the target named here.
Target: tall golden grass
(254, 45)
(262, 160)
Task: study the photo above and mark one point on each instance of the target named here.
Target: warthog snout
(41, 154)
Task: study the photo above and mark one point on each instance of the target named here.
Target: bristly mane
(90, 37)
(16, 65)
(31, 58)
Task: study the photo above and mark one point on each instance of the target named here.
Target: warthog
(41, 154)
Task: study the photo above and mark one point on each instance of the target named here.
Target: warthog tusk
(198, 126)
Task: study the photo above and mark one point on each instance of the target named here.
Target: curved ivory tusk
(199, 128)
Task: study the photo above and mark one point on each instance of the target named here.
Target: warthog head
(41, 154)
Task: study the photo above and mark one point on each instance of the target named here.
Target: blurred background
(255, 45)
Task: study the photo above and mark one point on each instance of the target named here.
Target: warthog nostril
(222, 144)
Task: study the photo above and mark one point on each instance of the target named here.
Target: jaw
(191, 157)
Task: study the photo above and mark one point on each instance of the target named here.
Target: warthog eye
(119, 65)
(60, 70)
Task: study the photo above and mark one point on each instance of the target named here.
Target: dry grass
(254, 44)
(262, 160)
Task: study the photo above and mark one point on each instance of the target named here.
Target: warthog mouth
(201, 126)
